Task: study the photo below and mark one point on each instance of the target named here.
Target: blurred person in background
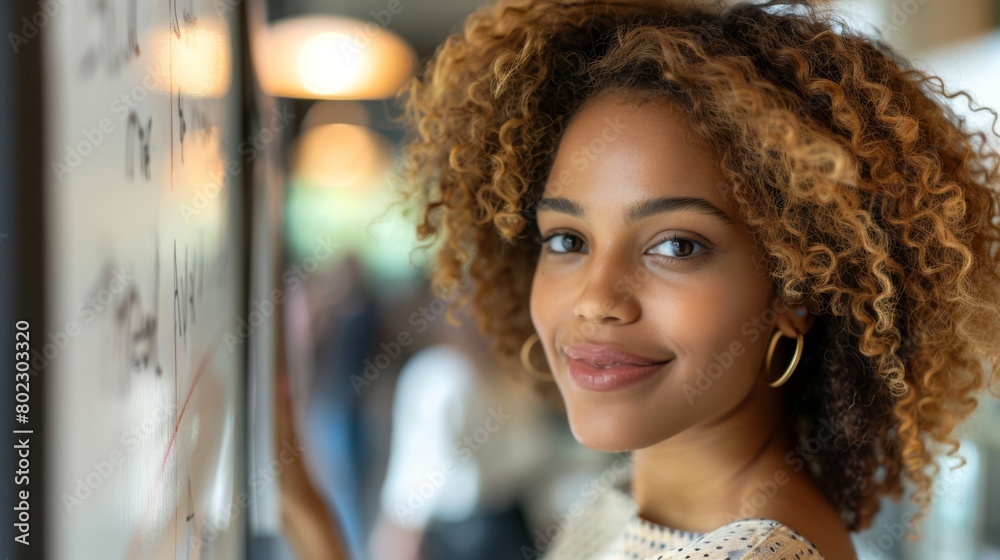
(466, 438)
(334, 321)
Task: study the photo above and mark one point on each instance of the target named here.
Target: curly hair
(872, 197)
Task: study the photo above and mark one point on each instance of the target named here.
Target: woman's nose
(608, 289)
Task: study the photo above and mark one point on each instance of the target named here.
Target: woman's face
(644, 253)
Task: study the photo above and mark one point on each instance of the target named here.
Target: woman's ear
(795, 320)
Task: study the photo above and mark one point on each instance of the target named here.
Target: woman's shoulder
(746, 539)
(610, 530)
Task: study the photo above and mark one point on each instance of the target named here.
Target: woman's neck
(726, 468)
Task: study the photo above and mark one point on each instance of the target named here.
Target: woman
(755, 248)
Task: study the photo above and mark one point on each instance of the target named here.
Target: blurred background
(423, 447)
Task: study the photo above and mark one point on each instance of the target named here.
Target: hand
(308, 524)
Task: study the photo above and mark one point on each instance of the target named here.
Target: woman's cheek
(704, 325)
(538, 299)
(544, 309)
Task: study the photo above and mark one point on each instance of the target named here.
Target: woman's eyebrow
(641, 209)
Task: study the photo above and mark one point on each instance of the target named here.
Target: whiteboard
(145, 289)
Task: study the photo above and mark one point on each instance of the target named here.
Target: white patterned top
(611, 529)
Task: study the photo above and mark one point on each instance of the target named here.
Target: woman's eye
(681, 247)
(560, 242)
(671, 247)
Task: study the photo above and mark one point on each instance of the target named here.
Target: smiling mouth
(608, 366)
(610, 377)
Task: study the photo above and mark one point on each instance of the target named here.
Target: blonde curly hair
(873, 199)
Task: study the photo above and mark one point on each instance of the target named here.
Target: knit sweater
(611, 529)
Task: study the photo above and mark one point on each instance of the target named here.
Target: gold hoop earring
(526, 362)
(799, 342)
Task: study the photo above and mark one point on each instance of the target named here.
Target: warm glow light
(329, 63)
(198, 63)
(326, 57)
(341, 156)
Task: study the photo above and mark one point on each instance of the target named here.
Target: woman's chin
(605, 433)
(617, 426)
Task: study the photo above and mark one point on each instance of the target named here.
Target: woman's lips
(596, 378)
